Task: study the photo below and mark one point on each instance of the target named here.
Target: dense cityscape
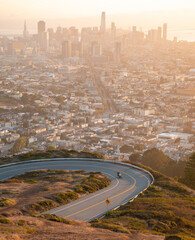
(99, 89)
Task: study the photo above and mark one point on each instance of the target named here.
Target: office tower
(113, 31)
(165, 31)
(41, 27)
(159, 33)
(51, 35)
(45, 41)
(103, 23)
(117, 52)
(150, 35)
(81, 49)
(16, 47)
(25, 31)
(42, 38)
(58, 34)
(95, 30)
(74, 34)
(66, 49)
(96, 49)
(134, 28)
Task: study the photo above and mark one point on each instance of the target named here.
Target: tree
(156, 159)
(139, 147)
(25, 124)
(60, 99)
(126, 149)
(135, 157)
(189, 178)
(178, 140)
(28, 98)
(18, 145)
(51, 147)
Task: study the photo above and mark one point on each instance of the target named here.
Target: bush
(92, 183)
(31, 181)
(65, 197)
(21, 222)
(161, 227)
(79, 189)
(7, 202)
(5, 221)
(111, 227)
(173, 237)
(31, 230)
(53, 217)
(41, 206)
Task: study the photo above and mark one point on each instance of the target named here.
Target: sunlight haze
(77, 8)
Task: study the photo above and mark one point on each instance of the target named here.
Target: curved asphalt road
(119, 192)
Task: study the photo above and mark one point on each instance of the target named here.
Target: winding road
(119, 192)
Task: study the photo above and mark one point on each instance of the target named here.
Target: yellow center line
(82, 166)
(109, 198)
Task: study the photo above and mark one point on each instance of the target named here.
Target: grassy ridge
(63, 153)
(165, 208)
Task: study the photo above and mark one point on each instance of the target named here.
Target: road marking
(69, 165)
(80, 166)
(61, 208)
(104, 200)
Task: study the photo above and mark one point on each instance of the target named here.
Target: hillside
(165, 209)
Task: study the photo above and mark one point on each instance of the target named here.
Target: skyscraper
(165, 31)
(103, 23)
(66, 49)
(45, 41)
(117, 52)
(42, 36)
(41, 27)
(113, 31)
(25, 32)
(159, 33)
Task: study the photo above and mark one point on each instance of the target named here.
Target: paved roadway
(120, 191)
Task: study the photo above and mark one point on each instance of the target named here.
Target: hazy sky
(80, 8)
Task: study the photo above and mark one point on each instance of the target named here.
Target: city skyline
(180, 23)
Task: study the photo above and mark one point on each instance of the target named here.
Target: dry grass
(165, 208)
(37, 191)
(11, 237)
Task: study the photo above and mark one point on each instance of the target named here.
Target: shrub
(111, 227)
(173, 237)
(7, 202)
(53, 217)
(161, 227)
(45, 189)
(31, 230)
(41, 206)
(113, 214)
(5, 221)
(65, 197)
(79, 189)
(21, 222)
(31, 181)
(92, 183)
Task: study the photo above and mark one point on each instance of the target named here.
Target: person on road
(119, 175)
